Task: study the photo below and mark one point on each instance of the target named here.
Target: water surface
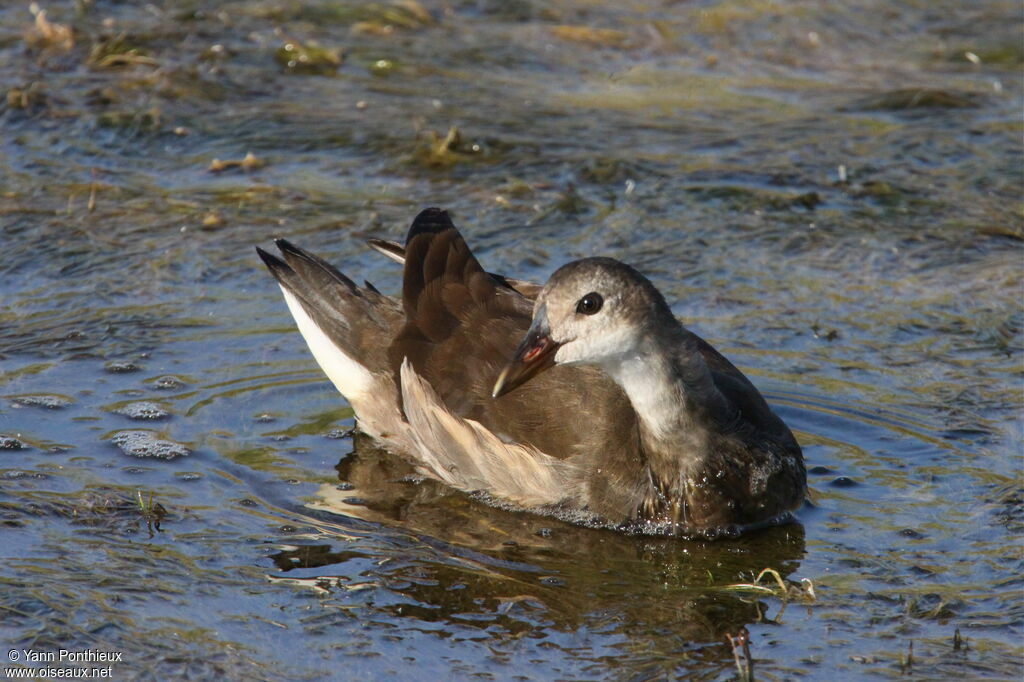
(829, 194)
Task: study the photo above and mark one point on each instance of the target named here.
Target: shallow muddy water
(829, 194)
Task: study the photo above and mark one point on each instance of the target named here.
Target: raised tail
(343, 324)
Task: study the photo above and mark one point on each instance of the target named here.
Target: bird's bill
(534, 355)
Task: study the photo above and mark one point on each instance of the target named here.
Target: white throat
(656, 395)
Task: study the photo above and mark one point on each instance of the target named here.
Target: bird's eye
(590, 303)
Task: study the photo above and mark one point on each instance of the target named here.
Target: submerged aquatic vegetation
(113, 52)
(379, 18)
(147, 120)
(27, 97)
(152, 512)
(101, 508)
(915, 98)
(308, 58)
(803, 592)
(436, 151)
(48, 35)
(601, 37)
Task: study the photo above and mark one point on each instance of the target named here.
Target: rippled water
(830, 194)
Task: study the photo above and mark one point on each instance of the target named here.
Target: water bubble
(46, 401)
(11, 443)
(147, 444)
(143, 410)
(121, 367)
(168, 382)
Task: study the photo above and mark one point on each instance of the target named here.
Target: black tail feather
(273, 263)
(312, 269)
(429, 220)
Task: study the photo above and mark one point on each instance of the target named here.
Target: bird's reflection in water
(655, 591)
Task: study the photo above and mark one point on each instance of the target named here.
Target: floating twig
(249, 163)
(741, 652)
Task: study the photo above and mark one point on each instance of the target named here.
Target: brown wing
(462, 325)
(754, 471)
(754, 413)
(396, 252)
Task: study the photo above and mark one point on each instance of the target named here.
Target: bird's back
(463, 324)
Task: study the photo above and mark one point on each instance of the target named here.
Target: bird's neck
(672, 392)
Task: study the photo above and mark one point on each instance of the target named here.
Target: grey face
(591, 311)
